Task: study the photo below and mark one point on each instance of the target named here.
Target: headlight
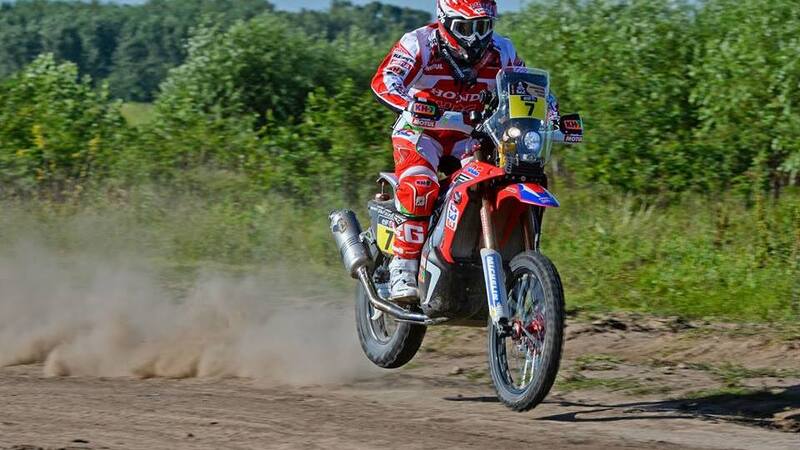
(513, 133)
(533, 144)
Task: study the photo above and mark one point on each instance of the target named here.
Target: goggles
(472, 29)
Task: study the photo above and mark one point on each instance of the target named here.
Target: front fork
(493, 270)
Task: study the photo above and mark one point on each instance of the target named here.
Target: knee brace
(416, 195)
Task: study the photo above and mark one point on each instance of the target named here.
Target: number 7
(390, 236)
(532, 106)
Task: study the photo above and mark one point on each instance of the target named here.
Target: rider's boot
(403, 280)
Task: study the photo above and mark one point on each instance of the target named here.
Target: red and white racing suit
(415, 68)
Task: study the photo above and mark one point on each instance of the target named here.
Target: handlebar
(454, 121)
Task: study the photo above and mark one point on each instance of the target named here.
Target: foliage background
(683, 199)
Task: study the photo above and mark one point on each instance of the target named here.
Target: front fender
(528, 193)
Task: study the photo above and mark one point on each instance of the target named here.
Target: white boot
(403, 280)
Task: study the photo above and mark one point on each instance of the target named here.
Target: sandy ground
(626, 382)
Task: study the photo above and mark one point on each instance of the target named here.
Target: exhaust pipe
(355, 256)
(347, 234)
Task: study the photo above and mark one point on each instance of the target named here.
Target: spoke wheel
(383, 327)
(524, 358)
(385, 341)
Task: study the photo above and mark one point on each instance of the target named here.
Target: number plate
(527, 107)
(385, 239)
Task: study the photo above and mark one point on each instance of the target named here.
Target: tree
(56, 130)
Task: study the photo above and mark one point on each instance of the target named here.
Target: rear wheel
(386, 342)
(524, 360)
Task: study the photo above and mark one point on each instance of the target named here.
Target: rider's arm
(398, 70)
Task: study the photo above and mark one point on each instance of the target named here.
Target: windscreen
(521, 116)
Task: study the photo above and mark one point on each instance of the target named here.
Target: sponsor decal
(461, 178)
(404, 64)
(423, 122)
(411, 234)
(572, 125)
(534, 90)
(398, 87)
(574, 138)
(420, 202)
(396, 56)
(423, 183)
(342, 225)
(453, 95)
(528, 90)
(386, 222)
(452, 216)
(398, 70)
(424, 109)
(494, 291)
(405, 132)
(538, 194)
(474, 171)
(496, 306)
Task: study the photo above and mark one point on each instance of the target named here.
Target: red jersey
(416, 68)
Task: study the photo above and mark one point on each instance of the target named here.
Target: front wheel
(524, 359)
(386, 342)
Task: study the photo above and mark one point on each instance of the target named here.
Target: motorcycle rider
(444, 66)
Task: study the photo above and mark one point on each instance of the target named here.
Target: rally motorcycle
(481, 263)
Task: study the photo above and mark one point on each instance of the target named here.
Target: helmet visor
(472, 29)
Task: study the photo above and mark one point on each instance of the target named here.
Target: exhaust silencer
(355, 256)
(347, 233)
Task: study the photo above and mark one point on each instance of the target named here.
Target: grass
(477, 375)
(698, 258)
(732, 375)
(691, 259)
(181, 234)
(597, 362)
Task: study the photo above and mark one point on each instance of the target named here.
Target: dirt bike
(481, 262)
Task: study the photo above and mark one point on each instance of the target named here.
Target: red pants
(416, 160)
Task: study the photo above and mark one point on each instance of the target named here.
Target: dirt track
(441, 400)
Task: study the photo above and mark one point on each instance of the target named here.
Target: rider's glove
(423, 113)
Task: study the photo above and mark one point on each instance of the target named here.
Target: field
(168, 278)
(695, 258)
(627, 382)
(203, 319)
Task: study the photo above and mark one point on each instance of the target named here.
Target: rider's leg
(416, 157)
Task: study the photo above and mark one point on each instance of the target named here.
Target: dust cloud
(90, 316)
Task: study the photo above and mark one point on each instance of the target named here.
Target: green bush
(261, 67)
(291, 112)
(56, 131)
(623, 64)
(676, 95)
(746, 88)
